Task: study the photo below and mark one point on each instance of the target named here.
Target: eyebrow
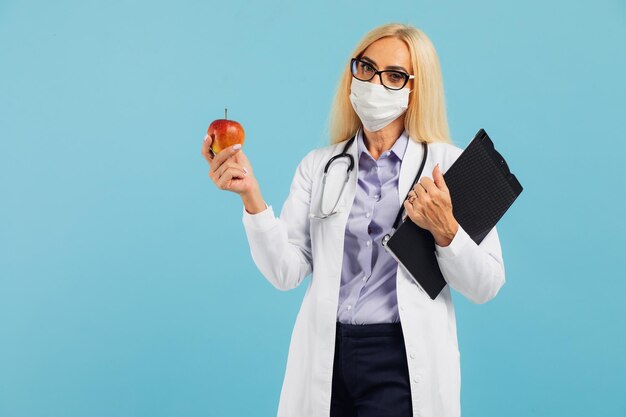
(397, 67)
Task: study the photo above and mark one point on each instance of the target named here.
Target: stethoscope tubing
(344, 153)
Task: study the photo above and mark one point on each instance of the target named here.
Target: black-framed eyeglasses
(391, 79)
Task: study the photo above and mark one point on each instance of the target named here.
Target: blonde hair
(425, 118)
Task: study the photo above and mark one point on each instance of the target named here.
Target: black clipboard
(482, 188)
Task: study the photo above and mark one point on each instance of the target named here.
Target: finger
(420, 191)
(412, 203)
(206, 149)
(229, 164)
(223, 155)
(429, 185)
(409, 207)
(225, 181)
(418, 185)
(412, 212)
(232, 172)
(438, 178)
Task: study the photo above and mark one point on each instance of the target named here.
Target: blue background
(126, 283)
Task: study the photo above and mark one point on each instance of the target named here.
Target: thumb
(438, 178)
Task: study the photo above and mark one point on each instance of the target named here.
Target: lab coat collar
(411, 161)
(410, 165)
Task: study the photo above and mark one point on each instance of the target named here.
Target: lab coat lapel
(334, 229)
(408, 169)
(348, 199)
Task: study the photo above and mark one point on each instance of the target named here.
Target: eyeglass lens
(390, 78)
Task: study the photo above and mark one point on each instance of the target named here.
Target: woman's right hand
(230, 169)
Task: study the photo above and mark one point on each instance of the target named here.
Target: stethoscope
(345, 154)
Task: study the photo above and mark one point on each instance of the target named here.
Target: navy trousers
(370, 372)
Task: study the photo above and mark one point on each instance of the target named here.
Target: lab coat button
(412, 355)
(402, 308)
(416, 378)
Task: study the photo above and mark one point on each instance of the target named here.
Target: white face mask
(376, 105)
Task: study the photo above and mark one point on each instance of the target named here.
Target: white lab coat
(289, 248)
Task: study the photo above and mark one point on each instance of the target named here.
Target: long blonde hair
(425, 118)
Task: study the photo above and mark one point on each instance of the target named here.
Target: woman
(367, 340)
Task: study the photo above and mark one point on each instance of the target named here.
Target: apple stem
(225, 113)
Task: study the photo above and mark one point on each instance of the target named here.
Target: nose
(377, 79)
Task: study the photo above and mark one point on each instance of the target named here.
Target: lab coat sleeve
(476, 271)
(281, 247)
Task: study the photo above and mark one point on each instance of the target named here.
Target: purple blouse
(367, 292)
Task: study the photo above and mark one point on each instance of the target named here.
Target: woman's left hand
(430, 207)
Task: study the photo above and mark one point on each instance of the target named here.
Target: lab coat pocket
(333, 189)
(327, 233)
(318, 222)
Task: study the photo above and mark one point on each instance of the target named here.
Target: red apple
(225, 133)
